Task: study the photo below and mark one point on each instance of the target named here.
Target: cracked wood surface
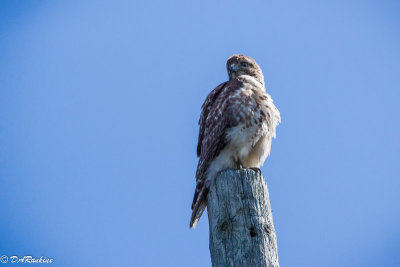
(242, 232)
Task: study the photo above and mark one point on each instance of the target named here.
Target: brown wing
(215, 119)
(206, 107)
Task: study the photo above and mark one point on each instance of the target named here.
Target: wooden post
(242, 232)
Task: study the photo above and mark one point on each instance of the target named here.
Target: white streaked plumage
(237, 123)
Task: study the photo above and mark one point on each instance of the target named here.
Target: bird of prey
(237, 123)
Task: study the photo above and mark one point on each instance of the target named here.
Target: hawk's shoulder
(214, 101)
(205, 109)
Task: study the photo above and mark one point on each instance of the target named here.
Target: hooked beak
(233, 67)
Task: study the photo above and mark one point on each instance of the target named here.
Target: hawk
(237, 123)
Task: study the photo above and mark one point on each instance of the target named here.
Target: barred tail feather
(198, 207)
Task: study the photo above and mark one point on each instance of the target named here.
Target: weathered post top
(242, 232)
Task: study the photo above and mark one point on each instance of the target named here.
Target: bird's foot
(238, 165)
(256, 169)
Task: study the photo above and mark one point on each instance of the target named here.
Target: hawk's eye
(244, 64)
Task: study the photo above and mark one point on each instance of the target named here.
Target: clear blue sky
(99, 103)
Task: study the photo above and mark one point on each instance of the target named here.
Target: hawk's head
(244, 65)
